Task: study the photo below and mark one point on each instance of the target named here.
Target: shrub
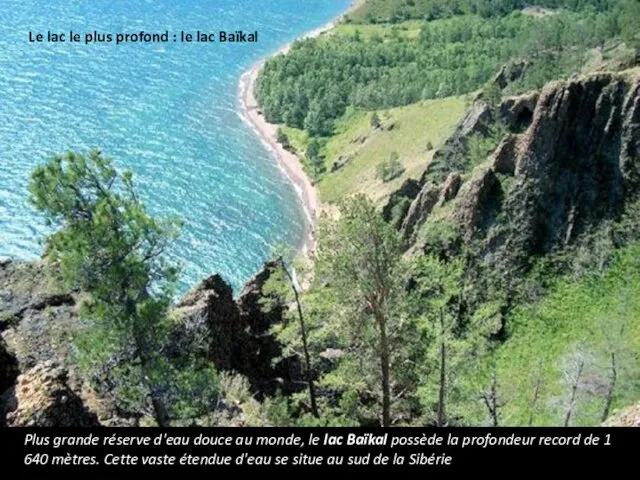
(389, 169)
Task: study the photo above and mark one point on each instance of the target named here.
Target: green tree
(109, 247)
(456, 343)
(630, 23)
(390, 169)
(375, 120)
(283, 139)
(283, 282)
(359, 256)
(314, 157)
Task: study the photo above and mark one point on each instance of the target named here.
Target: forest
(314, 84)
(394, 11)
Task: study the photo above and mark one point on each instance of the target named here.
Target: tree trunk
(491, 401)
(385, 368)
(143, 352)
(443, 367)
(534, 400)
(612, 386)
(574, 392)
(305, 347)
(160, 411)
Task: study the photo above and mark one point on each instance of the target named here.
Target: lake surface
(167, 111)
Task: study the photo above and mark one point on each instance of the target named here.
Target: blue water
(167, 111)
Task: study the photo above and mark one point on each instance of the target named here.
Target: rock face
(626, 417)
(237, 332)
(479, 198)
(427, 200)
(8, 367)
(43, 398)
(578, 161)
(572, 159)
(210, 316)
(37, 378)
(8, 376)
(450, 188)
(504, 157)
(517, 112)
(420, 209)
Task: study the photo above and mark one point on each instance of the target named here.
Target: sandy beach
(287, 161)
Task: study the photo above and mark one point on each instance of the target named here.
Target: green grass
(586, 313)
(414, 128)
(298, 139)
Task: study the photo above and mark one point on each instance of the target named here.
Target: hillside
(322, 90)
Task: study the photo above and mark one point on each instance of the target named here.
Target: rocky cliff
(38, 384)
(571, 159)
(238, 331)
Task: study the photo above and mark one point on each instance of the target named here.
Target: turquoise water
(166, 111)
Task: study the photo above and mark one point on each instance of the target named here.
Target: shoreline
(288, 162)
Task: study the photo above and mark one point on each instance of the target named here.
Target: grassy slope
(588, 314)
(414, 128)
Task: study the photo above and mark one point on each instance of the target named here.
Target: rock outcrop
(479, 198)
(210, 324)
(397, 206)
(8, 367)
(43, 398)
(571, 160)
(39, 382)
(517, 112)
(430, 197)
(511, 72)
(420, 209)
(8, 376)
(626, 417)
(577, 163)
(448, 159)
(237, 333)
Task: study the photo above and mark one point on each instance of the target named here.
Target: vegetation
(361, 259)
(109, 247)
(394, 11)
(351, 156)
(583, 339)
(314, 84)
(389, 169)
